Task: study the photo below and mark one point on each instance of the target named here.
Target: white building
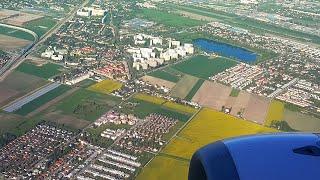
(174, 43)
(91, 11)
(47, 54)
(83, 12)
(58, 57)
(79, 79)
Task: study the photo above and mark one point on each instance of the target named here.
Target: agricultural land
(106, 86)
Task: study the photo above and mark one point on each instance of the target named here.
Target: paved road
(15, 62)
(25, 100)
(14, 58)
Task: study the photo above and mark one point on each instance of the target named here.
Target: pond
(226, 50)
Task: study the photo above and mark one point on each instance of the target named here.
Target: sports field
(275, 112)
(45, 71)
(204, 67)
(87, 105)
(184, 86)
(106, 86)
(33, 105)
(165, 75)
(169, 19)
(40, 26)
(206, 127)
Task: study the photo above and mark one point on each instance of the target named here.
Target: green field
(169, 19)
(234, 92)
(165, 75)
(194, 89)
(12, 126)
(87, 105)
(185, 109)
(33, 105)
(183, 87)
(203, 66)
(301, 122)
(165, 104)
(144, 108)
(45, 71)
(16, 33)
(86, 83)
(40, 26)
(8, 121)
(142, 105)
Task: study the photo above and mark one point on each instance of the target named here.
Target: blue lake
(226, 50)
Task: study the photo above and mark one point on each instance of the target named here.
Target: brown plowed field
(257, 109)
(158, 81)
(212, 94)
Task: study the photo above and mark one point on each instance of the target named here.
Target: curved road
(14, 59)
(5, 70)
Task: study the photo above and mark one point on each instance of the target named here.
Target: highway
(13, 59)
(16, 61)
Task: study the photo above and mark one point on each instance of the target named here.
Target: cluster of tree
(281, 125)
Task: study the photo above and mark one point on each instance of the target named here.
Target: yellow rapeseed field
(180, 107)
(106, 86)
(275, 112)
(164, 168)
(209, 126)
(148, 98)
(206, 127)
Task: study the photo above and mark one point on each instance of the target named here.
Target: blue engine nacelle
(283, 156)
